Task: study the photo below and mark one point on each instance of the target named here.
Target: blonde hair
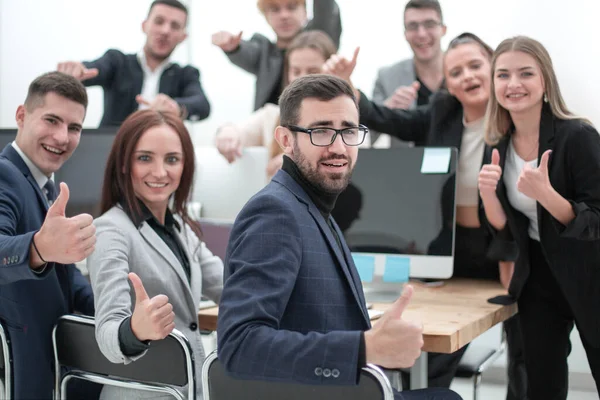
(498, 122)
(263, 4)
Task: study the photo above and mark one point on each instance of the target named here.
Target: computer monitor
(222, 189)
(397, 216)
(84, 171)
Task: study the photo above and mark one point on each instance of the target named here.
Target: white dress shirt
(151, 81)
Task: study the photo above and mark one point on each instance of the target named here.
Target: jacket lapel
(546, 138)
(166, 83)
(165, 252)
(286, 180)
(11, 154)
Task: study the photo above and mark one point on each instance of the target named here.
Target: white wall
(35, 35)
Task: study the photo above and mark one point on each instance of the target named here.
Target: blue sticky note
(435, 160)
(365, 266)
(396, 269)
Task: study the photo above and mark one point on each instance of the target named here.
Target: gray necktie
(50, 191)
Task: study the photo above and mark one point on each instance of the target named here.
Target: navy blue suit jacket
(121, 77)
(30, 303)
(292, 307)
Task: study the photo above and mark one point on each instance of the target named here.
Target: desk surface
(452, 315)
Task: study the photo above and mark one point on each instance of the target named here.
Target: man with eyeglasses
(409, 83)
(292, 307)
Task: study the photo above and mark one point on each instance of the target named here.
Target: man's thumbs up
(138, 288)
(397, 309)
(60, 204)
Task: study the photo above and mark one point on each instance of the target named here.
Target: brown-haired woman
(542, 190)
(146, 236)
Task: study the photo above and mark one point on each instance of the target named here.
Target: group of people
(291, 301)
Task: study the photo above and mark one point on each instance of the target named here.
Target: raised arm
(192, 100)
(326, 17)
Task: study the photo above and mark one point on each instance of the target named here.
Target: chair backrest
(167, 362)
(218, 385)
(6, 373)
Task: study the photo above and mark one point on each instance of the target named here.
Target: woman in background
(306, 55)
(542, 189)
(145, 236)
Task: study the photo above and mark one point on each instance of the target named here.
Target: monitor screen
(84, 171)
(399, 209)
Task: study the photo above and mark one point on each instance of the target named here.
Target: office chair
(476, 360)
(167, 366)
(218, 385)
(5, 358)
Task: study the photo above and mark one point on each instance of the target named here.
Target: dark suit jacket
(292, 307)
(30, 303)
(121, 77)
(572, 251)
(439, 123)
(261, 57)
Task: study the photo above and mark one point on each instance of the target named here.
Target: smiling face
(156, 167)
(467, 70)
(328, 168)
(423, 32)
(164, 29)
(49, 131)
(518, 82)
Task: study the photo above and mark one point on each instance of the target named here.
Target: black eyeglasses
(428, 25)
(324, 137)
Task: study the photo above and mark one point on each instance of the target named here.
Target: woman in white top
(306, 55)
(542, 190)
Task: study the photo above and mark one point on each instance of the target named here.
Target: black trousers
(546, 322)
(470, 261)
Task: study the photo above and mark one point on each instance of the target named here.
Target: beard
(329, 183)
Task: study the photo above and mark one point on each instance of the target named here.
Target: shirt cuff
(130, 345)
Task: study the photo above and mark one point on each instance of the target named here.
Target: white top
(151, 81)
(469, 163)
(528, 206)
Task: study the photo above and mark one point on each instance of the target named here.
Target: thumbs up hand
(489, 176)
(394, 342)
(64, 240)
(535, 182)
(153, 318)
(404, 96)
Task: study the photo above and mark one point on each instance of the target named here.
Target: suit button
(335, 372)
(318, 371)
(16, 259)
(193, 326)
(326, 372)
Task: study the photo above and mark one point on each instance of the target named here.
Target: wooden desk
(452, 315)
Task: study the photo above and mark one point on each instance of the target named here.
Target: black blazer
(572, 251)
(439, 123)
(121, 77)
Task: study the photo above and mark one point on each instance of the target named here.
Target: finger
(88, 252)
(400, 305)
(238, 38)
(166, 320)
(544, 161)
(495, 157)
(60, 204)
(82, 220)
(138, 288)
(141, 100)
(160, 300)
(355, 55)
(88, 243)
(416, 85)
(168, 329)
(89, 73)
(163, 311)
(87, 232)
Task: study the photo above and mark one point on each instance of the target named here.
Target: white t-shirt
(469, 163)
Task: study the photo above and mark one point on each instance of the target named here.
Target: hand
(507, 268)
(403, 97)
(274, 165)
(393, 342)
(153, 318)
(65, 240)
(226, 41)
(161, 102)
(489, 176)
(535, 182)
(341, 66)
(77, 70)
(229, 143)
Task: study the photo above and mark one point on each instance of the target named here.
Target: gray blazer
(261, 57)
(122, 248)
(389, 79)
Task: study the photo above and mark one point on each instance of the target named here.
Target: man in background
(148, 78)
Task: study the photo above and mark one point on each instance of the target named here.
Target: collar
(141, 56)
(147, 216)
(38, 175)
